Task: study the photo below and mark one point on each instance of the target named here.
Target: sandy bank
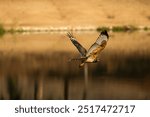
(74, 13)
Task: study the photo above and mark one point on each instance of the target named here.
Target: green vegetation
(2, 30)
(12, 31)
(146, 28)
(103, 28)
(114, 29)
(124, 28)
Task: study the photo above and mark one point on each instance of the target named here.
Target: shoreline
(123, 28)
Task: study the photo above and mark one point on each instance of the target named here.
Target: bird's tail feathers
(82, 64)
(78, 59)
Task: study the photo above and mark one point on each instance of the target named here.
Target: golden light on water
(35, 51)
(37, 67)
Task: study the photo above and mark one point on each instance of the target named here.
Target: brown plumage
(91, 55)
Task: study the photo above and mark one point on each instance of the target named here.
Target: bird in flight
(91, 55)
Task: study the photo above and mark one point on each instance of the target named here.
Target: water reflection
(37, 67)
(85, 93)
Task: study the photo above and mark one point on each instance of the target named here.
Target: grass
(124, 28)
(2, 30)
(103, 28)
(146, 28)
(12, 31)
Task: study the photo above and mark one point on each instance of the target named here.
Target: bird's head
(104, 32)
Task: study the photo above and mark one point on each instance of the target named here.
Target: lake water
(37, 66)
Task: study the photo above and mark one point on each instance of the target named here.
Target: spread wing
(80, 48)
(98, 46)
(95, 49)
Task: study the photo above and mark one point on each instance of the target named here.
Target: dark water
(36, 66)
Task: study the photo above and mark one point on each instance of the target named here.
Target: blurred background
(35, 64)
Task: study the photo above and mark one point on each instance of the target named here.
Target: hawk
(91, 55)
